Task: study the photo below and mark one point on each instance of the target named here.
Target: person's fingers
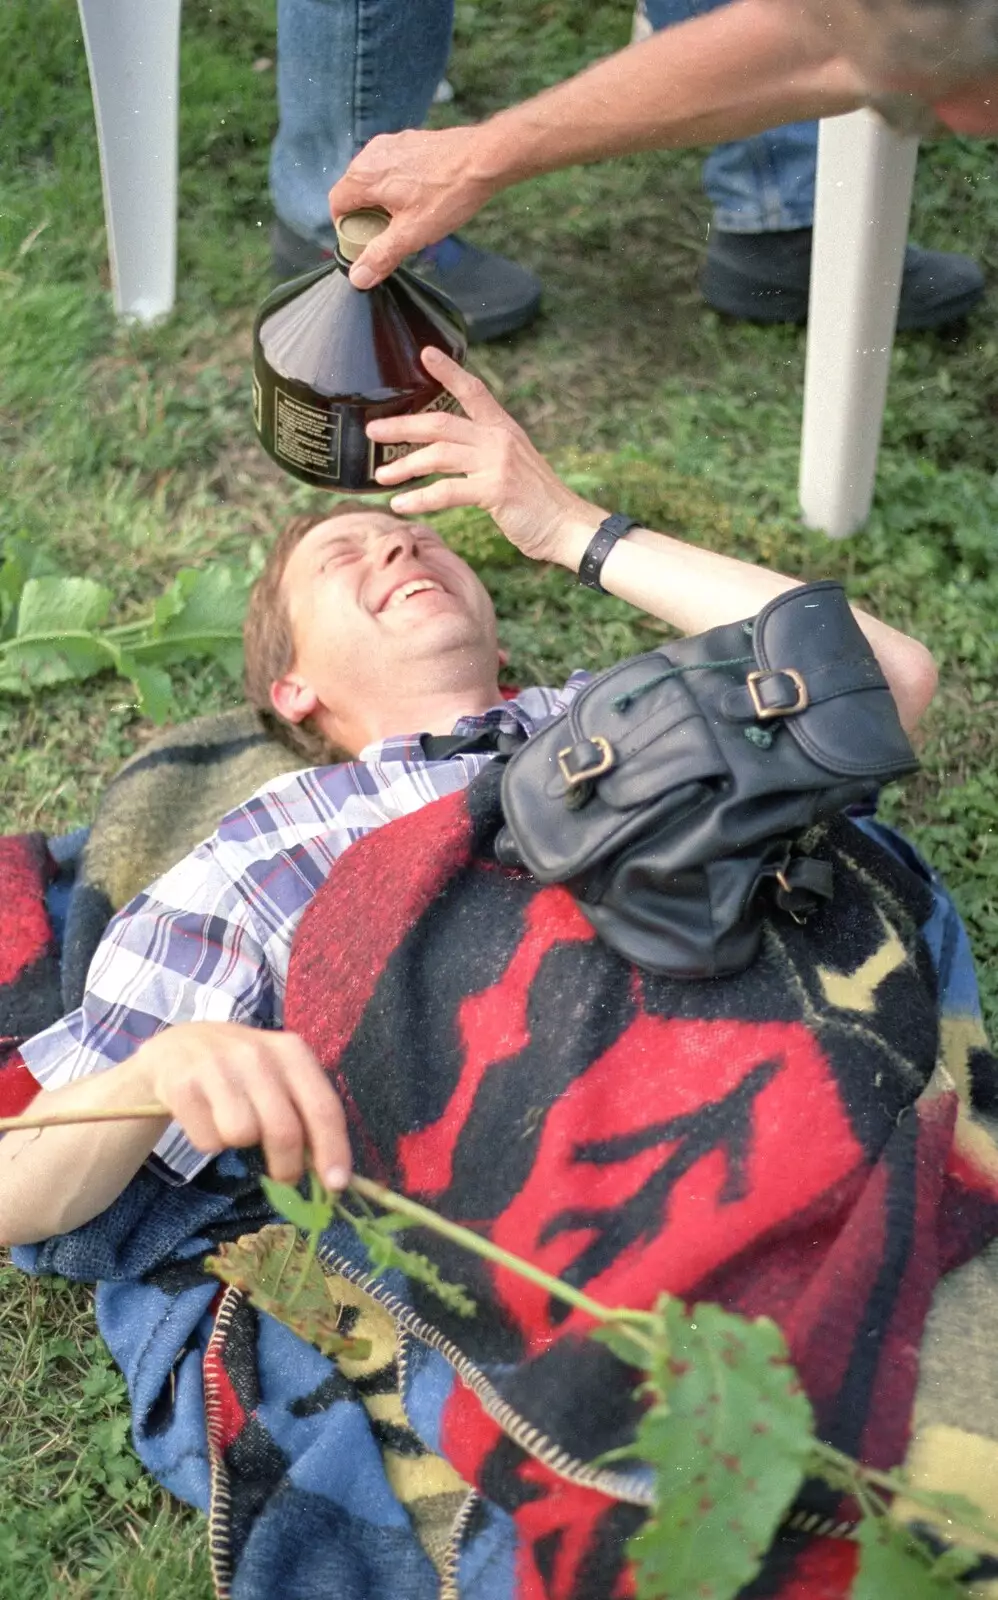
(386, 252)
(190, 1107)
(441, 457)
(234, 1086)
(355, 190)
(478, 403)
(321, 1112)
(413, 427)
(280, 1130)
(230, 1102)
(443, 495)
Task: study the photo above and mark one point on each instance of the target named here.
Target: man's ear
(292, 698)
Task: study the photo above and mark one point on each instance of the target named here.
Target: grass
(128, 453)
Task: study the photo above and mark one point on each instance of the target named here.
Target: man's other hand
(429, 183)
(495, 465)
(230, 1086)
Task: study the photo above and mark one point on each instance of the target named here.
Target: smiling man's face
(385, 619)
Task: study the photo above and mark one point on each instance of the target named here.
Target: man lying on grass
(372, 632)
(627, 1131)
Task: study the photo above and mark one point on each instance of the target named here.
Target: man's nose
(400, 542)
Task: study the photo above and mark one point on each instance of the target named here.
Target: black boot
(764, 277)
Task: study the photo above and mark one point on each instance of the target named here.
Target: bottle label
(379, 455)
(306, 436)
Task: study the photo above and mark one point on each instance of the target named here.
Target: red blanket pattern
(30, 997)
(764, 1140)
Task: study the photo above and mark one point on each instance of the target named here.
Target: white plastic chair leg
(133, 49)
(862, 203)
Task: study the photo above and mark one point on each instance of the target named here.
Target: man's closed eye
(338, 555)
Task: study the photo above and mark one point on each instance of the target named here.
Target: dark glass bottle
(328, 358)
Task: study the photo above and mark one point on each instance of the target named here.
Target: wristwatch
(603, 540)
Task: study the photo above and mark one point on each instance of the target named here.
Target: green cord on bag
(624, 702)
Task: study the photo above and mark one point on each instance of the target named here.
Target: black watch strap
(603, 540)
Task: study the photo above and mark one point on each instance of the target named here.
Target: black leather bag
(669, 796)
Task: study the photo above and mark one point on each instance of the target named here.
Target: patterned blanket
(804, 1139)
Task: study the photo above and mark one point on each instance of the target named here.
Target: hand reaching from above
(427, 182)
(230, 1086)
(493, 466)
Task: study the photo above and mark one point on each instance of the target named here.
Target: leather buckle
(595, 770)
(787, 888)
(766, 713)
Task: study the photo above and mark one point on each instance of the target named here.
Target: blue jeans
(346, 70)
(759, 185)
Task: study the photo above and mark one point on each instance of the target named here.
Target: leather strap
(802, 883)
(603, 540)
(779, 693)
(441, 746)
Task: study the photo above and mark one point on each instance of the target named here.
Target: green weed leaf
(22, 560)
(202, 600)
(27, 665)
(50, 629)
(50, 606)
(728, 1447)
(275, 1269)
(230, 657)
(311, 1216)
(201, 614)
(152, 684)
(893, 1562)
(376, 1234)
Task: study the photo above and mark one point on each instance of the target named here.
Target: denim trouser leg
(346, 70)
(757, 185)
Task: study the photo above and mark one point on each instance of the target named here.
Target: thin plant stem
(64, 1119)
(863, 1479)
(503, 1258)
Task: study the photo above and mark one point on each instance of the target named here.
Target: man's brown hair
(269, 648)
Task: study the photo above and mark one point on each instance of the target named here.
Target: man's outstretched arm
(495, 466)
(734, 72)
(226, 1084)
(180, 1008)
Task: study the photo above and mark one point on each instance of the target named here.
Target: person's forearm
(695, 589)
(737, 71)
(743, 68)
(55, 1179)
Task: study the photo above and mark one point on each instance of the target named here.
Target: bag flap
(850, 725)
(658, 734)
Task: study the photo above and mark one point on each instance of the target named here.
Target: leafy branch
(53, 628)
(726, 1427)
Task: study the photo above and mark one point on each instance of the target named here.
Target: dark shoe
(495, 296)
(765, 277)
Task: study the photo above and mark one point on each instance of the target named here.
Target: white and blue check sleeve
(208, 942)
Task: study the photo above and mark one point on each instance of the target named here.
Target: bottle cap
(356, 229)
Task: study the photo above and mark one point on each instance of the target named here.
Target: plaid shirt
(210, 941)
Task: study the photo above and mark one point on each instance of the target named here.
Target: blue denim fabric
(759, 185)
(347, 70)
